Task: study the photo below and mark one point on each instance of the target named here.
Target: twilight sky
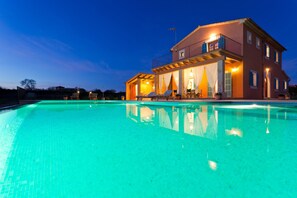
(102, 43)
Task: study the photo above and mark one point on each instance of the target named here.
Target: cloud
(47, 44)
(51, 61)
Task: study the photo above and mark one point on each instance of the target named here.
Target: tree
(28, 84)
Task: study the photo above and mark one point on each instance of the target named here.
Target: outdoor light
(267, 69)
(90, 92)
(78, 92)
(267, 131)
(191, 74)
(234, 69)
(212, 165)
(147, 82)
(212, 37)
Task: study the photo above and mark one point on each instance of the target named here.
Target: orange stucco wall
(254, 59)
(231, 30)
(146, 88)
(237, 78)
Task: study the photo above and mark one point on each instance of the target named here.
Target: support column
(138, 87)
(127, 91)
(221, 76)
(180, 81)
(156, 83)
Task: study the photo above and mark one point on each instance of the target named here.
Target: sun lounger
(151, 95)
(166, 95)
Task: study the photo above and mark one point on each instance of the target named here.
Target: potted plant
(287, 96)
(218, 96)
(281, 96)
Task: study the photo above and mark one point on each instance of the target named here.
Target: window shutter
(274, 56)
(284, 85)
(257, 81)
(274, 83)
(251, 78)
(204, 47)
(222, 42)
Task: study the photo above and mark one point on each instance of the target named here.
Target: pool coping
(148, 102)
(19, 105)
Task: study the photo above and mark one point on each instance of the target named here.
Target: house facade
(235, 58)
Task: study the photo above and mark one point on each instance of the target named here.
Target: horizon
(101, 45)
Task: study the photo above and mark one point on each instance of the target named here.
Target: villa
(237, 59)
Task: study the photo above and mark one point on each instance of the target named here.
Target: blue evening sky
(101, 44)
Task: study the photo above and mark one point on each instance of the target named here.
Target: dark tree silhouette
(28, 84)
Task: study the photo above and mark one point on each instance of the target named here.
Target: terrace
(216, 47)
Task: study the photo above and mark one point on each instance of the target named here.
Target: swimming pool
(148, 149)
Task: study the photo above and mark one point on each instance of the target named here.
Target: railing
(201, 47)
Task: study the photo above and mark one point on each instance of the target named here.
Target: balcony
(202, 50)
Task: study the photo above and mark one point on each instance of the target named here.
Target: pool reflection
(209, 121)
(198, 121)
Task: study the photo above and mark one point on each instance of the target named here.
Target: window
(253, 79)
(209, 91)
(249, 37)
(217, 45)
(211, 47)
(285, 85)
(181, 54)
(276, 84)
(276, 56)
(228, 84)
(258, 43)
(267, 51)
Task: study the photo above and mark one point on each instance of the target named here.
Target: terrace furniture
(151, 95)
(178, 96)
(93, 96)
(75, 96)
(199, 93)
(166, 95)
(190, 93)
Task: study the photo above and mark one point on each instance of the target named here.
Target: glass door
(228, 84)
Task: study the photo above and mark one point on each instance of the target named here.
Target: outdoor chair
(166, 95)
(151, 95)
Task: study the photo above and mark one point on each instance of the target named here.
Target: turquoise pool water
(144, 149)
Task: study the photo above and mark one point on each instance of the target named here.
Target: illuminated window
(267, 51)
(217, 45)
(253, 79)
(249, 37)
(211, 47)
(258, 43)
(276, 84)
(285, 85)
(181, 54)
(276, 56)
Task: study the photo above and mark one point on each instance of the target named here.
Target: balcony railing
(198, 48)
